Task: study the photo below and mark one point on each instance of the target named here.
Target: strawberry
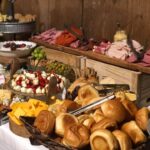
(18, 82)
(20, 78)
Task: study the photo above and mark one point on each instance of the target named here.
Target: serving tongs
(105, 89)
(90, 106)
(138, 55)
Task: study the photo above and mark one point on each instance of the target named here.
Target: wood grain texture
(101, 16)
(120, 75)
(65, 12)
(65, 58)
(52, 13)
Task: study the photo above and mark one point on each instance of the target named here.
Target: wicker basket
(19, 130)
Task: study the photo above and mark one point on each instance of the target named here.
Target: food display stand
(62, 91)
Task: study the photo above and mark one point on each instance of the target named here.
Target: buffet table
(10, 141)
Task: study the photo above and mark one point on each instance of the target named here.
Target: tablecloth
(10, 141)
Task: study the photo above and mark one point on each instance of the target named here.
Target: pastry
(76, 136)
(86, 93)
(123, 140)
(63, 121)
(98, 115)
(141, 118)
(86, 120)
(114, 109)
(130, 107)
(45, 122)
(69, 105)
(134, 132)
(105, 123)
(103, 140)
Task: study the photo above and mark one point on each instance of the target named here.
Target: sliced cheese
(14, 119)
(19, 112)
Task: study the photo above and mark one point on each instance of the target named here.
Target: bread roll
(78, 82)
(141, 117)
(130, 107)
(105, 123)
(45, 121)
(134, 132)
(103, 140)
(114, 109)
(76, 136)
(123, 140)
(69, 105)
(86, 93)
(98, 115)
(86, 120)
(63, 121)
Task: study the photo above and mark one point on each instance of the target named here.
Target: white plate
(19, 52)
(29, 45)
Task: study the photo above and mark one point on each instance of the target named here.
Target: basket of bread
(113, 124)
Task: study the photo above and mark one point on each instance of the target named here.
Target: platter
(16, 48)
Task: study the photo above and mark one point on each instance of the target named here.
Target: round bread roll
(123, 140)
(78, 82)
(98, 115)
(130, 107)
(76, 136)
(105, 123)
(114, 109)
(63, 121)
(103, 140)
(45, 122)
(65, 107)
(86, 120)
(134, 132)
(69, 105)
(86, 93)
(141, 118)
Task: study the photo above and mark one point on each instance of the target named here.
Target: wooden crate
(139, 82)
(66, 58)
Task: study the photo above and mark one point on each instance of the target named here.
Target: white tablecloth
(10, 141)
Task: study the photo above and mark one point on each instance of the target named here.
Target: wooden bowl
(19, 130)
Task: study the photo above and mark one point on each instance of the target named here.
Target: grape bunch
(38, 53)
